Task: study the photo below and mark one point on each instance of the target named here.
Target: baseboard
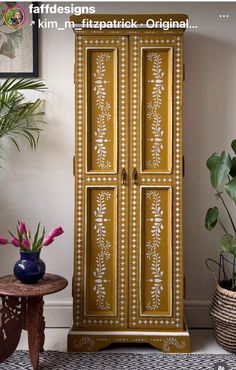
(58, 314)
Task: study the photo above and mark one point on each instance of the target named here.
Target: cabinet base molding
(93, 341)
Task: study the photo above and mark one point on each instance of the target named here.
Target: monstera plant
(20, 116)
(222, 169)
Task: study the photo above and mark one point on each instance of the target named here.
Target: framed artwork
(18, 40)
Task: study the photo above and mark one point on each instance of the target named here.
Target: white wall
(39, 185)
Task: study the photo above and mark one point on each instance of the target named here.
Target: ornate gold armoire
(128, 265)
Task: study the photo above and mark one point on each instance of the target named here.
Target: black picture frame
(35, 52)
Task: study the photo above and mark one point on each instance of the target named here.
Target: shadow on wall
(209, 120)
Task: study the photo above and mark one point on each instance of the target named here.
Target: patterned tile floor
(54, 360)
(202, 341)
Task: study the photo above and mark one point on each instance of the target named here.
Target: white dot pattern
(136, 320)
(80, 319)
(175, 180)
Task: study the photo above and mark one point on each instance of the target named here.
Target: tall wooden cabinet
(128, 263)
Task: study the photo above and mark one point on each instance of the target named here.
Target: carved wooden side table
(22, 308)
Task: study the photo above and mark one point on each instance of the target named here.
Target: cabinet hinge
(183, 166)
(183, 72)
(73, 165)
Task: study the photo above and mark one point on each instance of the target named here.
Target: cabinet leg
(173, 344)
(177, 342)
(10, 326)
(35, 327)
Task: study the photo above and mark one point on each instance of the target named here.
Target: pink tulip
(47, 241)
(26, 244)
(58, 231)
(3, 241)
(15, 242)
(22, 228)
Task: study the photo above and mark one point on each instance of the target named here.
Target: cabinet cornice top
(140, 19)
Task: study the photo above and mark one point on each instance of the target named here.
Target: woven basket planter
(223, 315)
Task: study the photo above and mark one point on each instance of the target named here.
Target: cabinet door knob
(123, 176)
(135, 176)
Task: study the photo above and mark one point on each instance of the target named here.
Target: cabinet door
(156, 280)
(101, 216)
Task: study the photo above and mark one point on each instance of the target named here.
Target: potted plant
(222, 169)
(30, 268)
(20, 116)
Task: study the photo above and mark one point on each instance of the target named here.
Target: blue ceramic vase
(30, 268)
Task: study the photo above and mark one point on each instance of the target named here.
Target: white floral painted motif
(158, 78)
(104, 253)
(168, 342)
(152, 250)
(152, 109)
(87, 342)
(105, 111)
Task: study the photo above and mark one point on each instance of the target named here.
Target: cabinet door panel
(156, 263)
(155, 250)
(101, 213)
(102, 105)
(101, 251)
(156, 128)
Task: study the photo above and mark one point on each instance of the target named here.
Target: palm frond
(16, 84)
(17, 116)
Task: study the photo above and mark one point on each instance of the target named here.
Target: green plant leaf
(15, 143)
(19, 235)
(233, 145)
(36, 237)
(13, 84)
(18, 115)
(219, 166)
(11, 234)
(233, 167)
(230, 189)
(228, 243)
(211, 218)
(40, 241)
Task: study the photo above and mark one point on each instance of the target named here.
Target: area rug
(52, 360)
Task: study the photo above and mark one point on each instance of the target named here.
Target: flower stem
(226, 208)
(222, 225)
